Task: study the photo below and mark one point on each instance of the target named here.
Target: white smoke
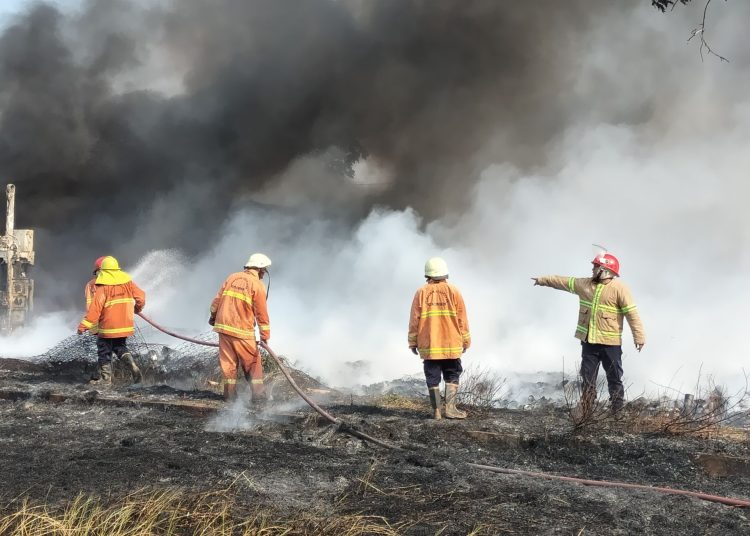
(44, 332)
(234, 417)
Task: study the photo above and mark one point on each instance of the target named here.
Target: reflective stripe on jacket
(438, 326)
(113, 308)
(89, 292)
(602, 309)
(239, 304)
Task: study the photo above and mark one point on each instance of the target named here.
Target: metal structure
(16, 258)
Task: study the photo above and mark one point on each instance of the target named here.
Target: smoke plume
(173, 113)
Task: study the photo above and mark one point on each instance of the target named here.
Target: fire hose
(338, 423)
(344, 427)
(610, 484)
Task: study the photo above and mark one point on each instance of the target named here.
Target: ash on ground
(59, 437)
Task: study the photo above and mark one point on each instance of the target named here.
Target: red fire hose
(608, 484)
(340, 425)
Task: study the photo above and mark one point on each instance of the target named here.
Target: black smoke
(418, 85)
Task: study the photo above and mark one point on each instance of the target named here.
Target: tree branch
(701, 33)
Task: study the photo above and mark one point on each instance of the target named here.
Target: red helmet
(98, 263)
(608, 261)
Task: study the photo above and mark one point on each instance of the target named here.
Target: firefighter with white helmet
(439, 334)
(238, 307)
(604, 303)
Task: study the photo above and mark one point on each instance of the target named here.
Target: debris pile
(186, 365)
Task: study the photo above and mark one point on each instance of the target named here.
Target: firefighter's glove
(536, 281)
(81, 330)
(639, 346)
(414, 350)
(211, 320)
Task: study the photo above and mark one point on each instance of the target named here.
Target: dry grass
(422, 498)
(481, 388)
(702, 415)
(394, 401)
(146, 513)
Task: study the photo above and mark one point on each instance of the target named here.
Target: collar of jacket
(112, 277)
(253, 273)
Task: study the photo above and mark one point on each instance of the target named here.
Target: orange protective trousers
(235, 353)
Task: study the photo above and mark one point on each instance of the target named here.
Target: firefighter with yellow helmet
(115, 301)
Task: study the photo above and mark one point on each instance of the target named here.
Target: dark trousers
(611, 359)
(449, 369)
(105, 347)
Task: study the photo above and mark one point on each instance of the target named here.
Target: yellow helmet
(436, 268)
(110, 263)
(258, 260)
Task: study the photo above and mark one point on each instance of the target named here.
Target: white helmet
(258, 260)
(436, 268)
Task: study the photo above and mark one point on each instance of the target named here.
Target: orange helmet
(608, 261)
(98, 263)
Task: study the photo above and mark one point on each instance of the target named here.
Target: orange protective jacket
(89, 292)
(438, 326)
(239, 304)
(112, 308)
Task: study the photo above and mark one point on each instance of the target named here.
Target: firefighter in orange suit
(115, 300)
(604, 304)
(237, 307)
(90, 289)
(439, 334)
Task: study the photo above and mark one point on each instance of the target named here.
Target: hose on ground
(610, 484)
(344, 427)
(338, 423)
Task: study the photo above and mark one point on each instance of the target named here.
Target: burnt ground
(59, 437)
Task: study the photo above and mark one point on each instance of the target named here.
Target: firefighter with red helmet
(605, 302)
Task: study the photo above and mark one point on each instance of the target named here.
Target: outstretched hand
(536, 281)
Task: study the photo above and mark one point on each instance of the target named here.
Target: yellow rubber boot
(127, 358)
(451, 412)
(105, 376)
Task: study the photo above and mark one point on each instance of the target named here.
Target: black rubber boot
(230, 392)
(435, 402)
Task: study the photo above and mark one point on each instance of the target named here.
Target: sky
(11, 7)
